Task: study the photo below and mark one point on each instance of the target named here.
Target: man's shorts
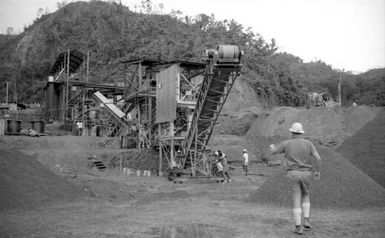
(300, 180)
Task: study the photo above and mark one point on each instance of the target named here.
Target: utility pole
(6, 94)
(67, 87)
(339, 91)
(88, 65)
(15, 91)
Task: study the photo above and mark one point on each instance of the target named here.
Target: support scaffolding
(188, 105)
(170, 105)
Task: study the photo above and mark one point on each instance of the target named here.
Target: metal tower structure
(189, 150)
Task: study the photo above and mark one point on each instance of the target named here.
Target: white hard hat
(244, 150)
(216, 153)
(297, 128)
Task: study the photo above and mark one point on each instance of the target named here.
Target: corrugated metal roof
(76, 59)
(152, 62)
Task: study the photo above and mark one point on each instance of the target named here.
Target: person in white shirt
(245, 161)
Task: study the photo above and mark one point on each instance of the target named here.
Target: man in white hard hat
(245, 157)
(299, 154)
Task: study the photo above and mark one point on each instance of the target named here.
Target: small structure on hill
(323, 99)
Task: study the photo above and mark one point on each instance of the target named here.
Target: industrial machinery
(170, 105)
(189, 151)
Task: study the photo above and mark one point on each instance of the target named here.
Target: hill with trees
(111, 32)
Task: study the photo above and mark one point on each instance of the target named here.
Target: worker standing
(223, 159)
(299, 154)
(245, 157)
(142, 137)
(219, 167)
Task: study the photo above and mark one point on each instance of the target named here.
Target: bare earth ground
(129, 206)
(210, 210)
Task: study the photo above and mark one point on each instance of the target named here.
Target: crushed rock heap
(366, 149)
(342, 185)
(26, 183)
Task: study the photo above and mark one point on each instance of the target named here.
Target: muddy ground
(118, 205)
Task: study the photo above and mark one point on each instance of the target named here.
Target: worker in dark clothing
(223, 158)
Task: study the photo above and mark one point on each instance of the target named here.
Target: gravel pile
(342, 185)
(25, 183)
(366, 148)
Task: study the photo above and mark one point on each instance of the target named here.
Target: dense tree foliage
(112, 32)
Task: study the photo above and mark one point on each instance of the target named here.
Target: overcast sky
(347, 34)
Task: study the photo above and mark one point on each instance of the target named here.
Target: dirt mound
(63, 152)
(341, 186)
(320, 123)
(242, 95)
(354, 118)
(25, 183)
(70, 143)
(317, 122)
(366, 149)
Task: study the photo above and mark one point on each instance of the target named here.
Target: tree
(61, 4)
(40, 12)
(146, 5)
(10, 30)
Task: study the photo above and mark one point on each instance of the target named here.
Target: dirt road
(155, 207)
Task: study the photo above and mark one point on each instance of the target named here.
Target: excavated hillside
(320, 123)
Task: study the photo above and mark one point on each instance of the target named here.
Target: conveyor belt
(219, 77)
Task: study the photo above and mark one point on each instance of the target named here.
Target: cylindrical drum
(228, 52)
(37, 126)
(13, 127)
(127, 142)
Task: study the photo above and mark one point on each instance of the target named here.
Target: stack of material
(342, 185)
(366, 149)
(25, 183)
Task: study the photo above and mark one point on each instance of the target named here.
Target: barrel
(127, 142)
(13, 127)
(38, 126)
(2, 127)
(95, 131)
